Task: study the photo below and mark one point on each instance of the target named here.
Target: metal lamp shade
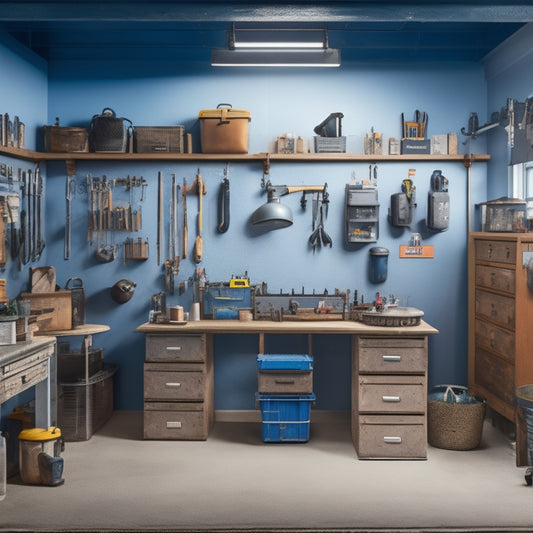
(273, 215)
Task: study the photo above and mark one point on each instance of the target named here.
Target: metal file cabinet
(178, 387)
(389, 397)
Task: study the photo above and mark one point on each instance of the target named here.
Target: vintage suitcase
(109, 133)
(224, 130)
(68, 140)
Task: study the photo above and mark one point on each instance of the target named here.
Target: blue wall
(280, 101)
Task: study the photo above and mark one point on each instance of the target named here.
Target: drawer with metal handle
(392, 437)
(289, 382)
(496, 251)
(174, 384)
(176, 421)
(495, 307)
(392, 356)
(392, 394)
(175, 348)
(20, 381)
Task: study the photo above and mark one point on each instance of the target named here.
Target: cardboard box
(224, 130)
(416, 146)
(8, 332)
(439, 144)
(59, 301)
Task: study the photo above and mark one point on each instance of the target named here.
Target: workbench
(29, 363)
(389, 379)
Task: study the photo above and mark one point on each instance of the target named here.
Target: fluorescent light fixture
(276, 48)
(276, 58)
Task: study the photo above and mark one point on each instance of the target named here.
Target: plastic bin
(268, 361)
(285, 418)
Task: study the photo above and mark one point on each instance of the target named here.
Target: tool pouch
(400, 213)
(438, 211)
(109, 133)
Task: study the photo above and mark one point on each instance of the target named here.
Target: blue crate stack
(285, 417)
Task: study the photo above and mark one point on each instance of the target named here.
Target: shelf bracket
(266, 164)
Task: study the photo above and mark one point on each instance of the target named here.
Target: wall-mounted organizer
(361, 214)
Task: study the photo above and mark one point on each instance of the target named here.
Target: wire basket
(455, 419)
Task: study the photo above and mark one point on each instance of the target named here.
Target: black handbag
(110, 133)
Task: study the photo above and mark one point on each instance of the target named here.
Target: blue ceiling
(378, 30)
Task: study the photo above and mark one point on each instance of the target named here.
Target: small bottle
(3, 467)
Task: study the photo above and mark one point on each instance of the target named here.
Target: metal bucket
(524, 399)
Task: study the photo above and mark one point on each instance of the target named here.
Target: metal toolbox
(224, 130)
(176, 421)
(158, 139)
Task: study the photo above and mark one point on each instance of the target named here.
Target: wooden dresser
(500, 340)
(178, 387)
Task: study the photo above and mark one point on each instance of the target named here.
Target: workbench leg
(310, 343)
(261, 343)
(43, 398)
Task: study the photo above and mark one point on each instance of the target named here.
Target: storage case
(109, 133)
(266, 361)
(83, 407)
(286, 418)
(224, 130)
(61, 303)
(158, 139)
(330, 144)
(69, 140)
(71, 366)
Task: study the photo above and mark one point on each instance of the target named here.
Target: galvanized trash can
(455, 419)
(524, 399)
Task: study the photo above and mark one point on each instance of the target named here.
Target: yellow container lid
(40, 434)
(225, 113)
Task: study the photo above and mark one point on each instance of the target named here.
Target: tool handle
(223, 220)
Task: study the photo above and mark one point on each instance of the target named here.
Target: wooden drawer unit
(495, 251)
(392, 356)
(175, 348)
(172, 382)
(495, 307)
(389, 397)
(178, 387)
(176, 421)
(496, 278)
(285, 382)
(500, 322)
(392, 394)
(391, 437)
(22, 380)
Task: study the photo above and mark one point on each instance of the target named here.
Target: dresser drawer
(500, 279)
(391, 437)
(495, 375)
(496, 307)
(175, 348)
(392, 394)
(392, 356)
(496, 338)
(175, 382)
(16, 383)
(288, 382)
(176, 421)
(497, 251)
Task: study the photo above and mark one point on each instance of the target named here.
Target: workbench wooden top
(337, 327)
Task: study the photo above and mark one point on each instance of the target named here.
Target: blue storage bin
(286, 418)
(269, 361)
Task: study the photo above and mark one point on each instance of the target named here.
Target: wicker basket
(455, 426)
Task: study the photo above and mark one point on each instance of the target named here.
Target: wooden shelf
(30, 155)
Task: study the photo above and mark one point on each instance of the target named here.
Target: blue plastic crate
(269, 361)
(286, 417)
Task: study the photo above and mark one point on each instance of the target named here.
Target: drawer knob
(391, 399)
(174, 348)
(23, 379)
(392, 440)
(173, 425)
(392, 358)
(173, 385)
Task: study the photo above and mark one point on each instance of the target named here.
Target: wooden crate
(59, 301)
